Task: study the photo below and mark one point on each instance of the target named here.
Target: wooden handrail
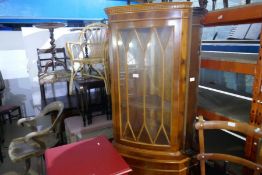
(229, 66)
(243, 128)
(251, 13)
(234, 159)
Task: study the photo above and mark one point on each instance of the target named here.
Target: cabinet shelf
(153, 102)
(214, 105)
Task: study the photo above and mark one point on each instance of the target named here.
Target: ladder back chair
(242, 128)
(50, 72)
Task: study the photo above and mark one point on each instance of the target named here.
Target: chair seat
(8, 108)
(54, 76)
(20, 150)
(93, 60)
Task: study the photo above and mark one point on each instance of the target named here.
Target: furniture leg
(67, 86)
(19, 112)
(79, 104)
(214, 4)
(27, 165)
(225, 2)
(42, 91)
(2, 118)
(89, 108)
(108, 106)
(1, 154)
(10, 116)
(2, 139)
(83, 105)
(104, 100)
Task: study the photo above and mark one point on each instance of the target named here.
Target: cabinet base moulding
(146, 162)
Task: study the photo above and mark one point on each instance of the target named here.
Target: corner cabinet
(149, 61)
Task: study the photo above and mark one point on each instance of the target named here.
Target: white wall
(13, 65)
(18, 64)
(39, 38)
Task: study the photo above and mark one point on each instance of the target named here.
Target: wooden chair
(35, 143)
(50, 72)
(8, 109)
(242, 128)
(90, 54)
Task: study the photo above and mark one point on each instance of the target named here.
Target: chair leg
(1, 154)
(19, 112)
(68, 90)
(27, 165)
(42, 90)
(10, 117)
(40, 165)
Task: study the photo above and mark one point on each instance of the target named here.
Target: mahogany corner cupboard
(151, 55)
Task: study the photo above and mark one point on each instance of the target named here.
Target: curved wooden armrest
(230, 158)
(73, 42)
(36, 135)
(21, 121)
(243, 128)
(28, 122)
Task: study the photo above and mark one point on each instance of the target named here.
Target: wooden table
(95, 156)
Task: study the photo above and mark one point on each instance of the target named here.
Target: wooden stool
(75, 129)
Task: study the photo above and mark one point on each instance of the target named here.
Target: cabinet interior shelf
(149, 102)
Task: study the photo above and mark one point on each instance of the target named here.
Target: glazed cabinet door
(150, 64)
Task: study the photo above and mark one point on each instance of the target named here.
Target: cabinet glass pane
(146, 79)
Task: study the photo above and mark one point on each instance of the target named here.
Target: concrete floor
(12, 131)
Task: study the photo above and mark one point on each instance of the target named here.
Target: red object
(95, 156)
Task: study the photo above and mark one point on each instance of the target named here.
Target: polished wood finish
(149, 62)
(229, 66)
(198, 14)
(89, 104)
(239, 15)
(235, 15)
(212, 116)
(256, 111)
(242, 128)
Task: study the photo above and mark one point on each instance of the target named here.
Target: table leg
(108, 107)
(42, 90)
(89, 108)
(81, 95)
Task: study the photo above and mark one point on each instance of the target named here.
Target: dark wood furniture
(150, 46)
(219, 106)
(90, 102)
(50, 72)
(243, 128)
(51, 27)
(10, 110)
